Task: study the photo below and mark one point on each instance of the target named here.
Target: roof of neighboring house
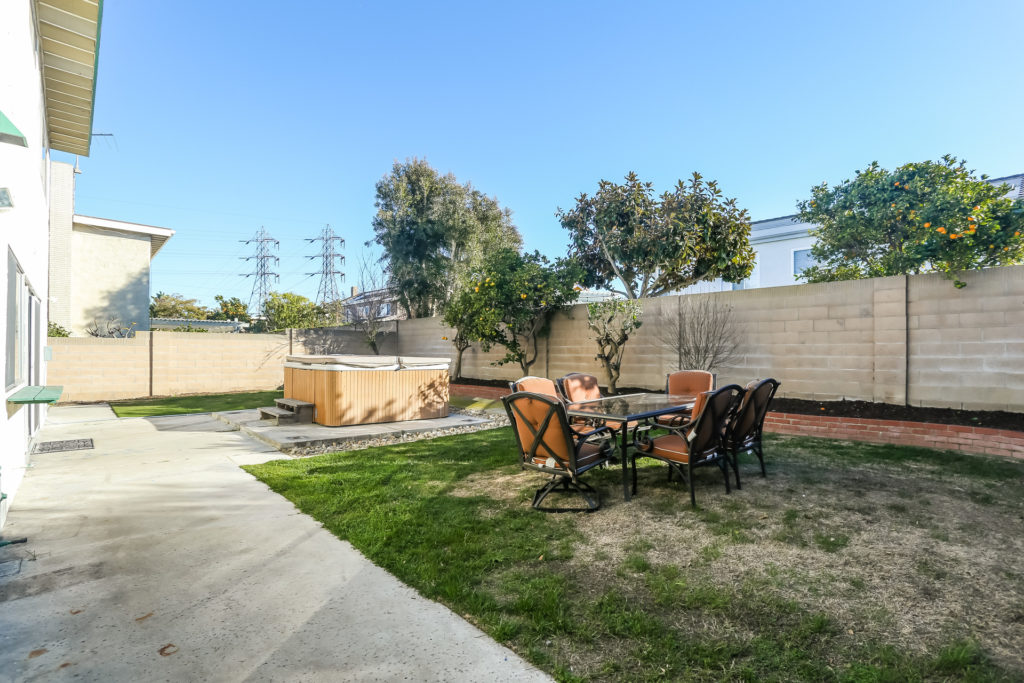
(1016, 183)
(69, 41)
(157, 236)
(795, 227)
(385, 293)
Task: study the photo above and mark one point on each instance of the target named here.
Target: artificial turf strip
(207, 403)
(510, 570)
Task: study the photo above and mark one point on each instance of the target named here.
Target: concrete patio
(155, 556)
(296, 437)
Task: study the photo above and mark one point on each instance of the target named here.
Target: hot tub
(353, 390)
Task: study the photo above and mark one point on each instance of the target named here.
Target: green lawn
(850, 562)
(207, 403)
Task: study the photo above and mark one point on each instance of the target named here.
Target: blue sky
(231, 116)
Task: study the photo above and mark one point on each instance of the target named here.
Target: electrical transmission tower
(262, 274)
(327, 296)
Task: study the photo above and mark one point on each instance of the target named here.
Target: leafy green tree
(176, 306)
(434, 231)
(513, 299)
(284, 310)
(230, 309)
(922, 217)
(464, 314)
(611, 323)
(55, 330)
(656, 245)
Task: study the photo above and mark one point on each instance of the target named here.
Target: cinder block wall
(827, 341)
(190, 363)
(92, 369)
(95, 369)
(967, 345)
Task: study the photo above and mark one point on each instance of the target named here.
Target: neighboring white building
(783, 248)
(48, 53)
(379, 304)
(99, 268)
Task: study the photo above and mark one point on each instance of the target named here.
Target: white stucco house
(783, 248)
(48, 53)
(99, 267)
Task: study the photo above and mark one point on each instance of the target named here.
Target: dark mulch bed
(995, 419)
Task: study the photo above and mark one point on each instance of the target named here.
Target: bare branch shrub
(369, 310)
(112, 328)
(702, 334)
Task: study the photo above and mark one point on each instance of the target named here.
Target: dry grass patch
(848, 562)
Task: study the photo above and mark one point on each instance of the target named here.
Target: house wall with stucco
(109, 279)
(24, 172)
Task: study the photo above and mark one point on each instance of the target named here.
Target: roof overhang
(157, 236)
(69, 36)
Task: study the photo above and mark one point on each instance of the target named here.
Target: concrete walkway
(154, 556)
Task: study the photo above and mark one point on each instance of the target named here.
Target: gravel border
(494, 421)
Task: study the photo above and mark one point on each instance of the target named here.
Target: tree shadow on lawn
(846, 563)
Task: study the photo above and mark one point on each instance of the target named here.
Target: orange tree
(510, 302)
(922, 217)
(657, 245)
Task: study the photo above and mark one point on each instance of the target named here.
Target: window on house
(802, 260)
(385, 309)
(17, 324)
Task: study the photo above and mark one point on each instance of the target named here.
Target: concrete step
(302, 410)
(278, 416)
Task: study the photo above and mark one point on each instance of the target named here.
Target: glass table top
(631, 406)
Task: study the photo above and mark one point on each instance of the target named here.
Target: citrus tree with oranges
(510, 302)
(922, 217)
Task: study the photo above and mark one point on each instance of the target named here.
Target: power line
(262, 274)
(329, 259)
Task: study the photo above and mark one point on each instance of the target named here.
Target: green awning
(9, 133)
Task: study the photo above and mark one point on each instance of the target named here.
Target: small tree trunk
(613, 379)
(459, 349)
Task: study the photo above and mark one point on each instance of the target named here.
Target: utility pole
(327, 295)
(262, 274)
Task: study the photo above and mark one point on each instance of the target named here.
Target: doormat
(58, 446)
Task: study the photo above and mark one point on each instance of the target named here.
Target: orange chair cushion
(671, 447)
(537, 385)
(690, 382)
(554, 439)
(590, 452)
(580, 387)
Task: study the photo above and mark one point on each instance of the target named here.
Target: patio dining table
(628, 408)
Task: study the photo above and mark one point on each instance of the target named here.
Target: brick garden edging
(981, 440)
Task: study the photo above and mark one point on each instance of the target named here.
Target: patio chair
(686, 382)
(744, 431)
(548, 444)
(536, 385)
(697, 443)
(579, 386)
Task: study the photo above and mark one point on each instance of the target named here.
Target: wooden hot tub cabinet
(353, 390)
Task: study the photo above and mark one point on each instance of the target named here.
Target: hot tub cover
(368, 362)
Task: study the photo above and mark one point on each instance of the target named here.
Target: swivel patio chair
(685, 382)
(745, 429)
(548, 444)
(697, 443)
